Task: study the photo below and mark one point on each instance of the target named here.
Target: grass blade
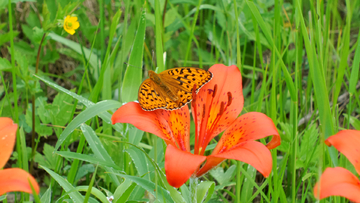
(133, 73)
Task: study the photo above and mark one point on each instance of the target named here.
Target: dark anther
(229, 98)
(194, 92)
(214, 92)
(203, 113)
(222, 108)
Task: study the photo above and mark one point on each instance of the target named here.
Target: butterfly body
(157, 80)
(172, 88)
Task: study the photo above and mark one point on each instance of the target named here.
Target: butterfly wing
(186, 78)
(181, 82)
(184, 98)
(150, 96)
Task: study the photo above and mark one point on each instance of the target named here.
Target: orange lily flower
(12, 179)
(339, 181)
(215, 109)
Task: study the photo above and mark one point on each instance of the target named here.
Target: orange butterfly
(172, 88)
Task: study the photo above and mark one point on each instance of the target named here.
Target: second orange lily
(215, 109)
(339, 181)
(12, 179)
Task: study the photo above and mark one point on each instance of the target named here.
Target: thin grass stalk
(202, 44)
(14, 69)
(272, 103)
(159, 37)
(102, 29)
(155, 160)
(6, 89)
(88, 192)
(298, 62)
(253, 80)
(163, 19)
(33, 108)
(344, 54)
(123, 55)
(194, 181)
(188, 29)
(192, 33)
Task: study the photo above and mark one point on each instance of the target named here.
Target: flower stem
(33, 147)
(193, 189)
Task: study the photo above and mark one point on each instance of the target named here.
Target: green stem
(33, 107)
(14, 71)
(193, 189)
(192, 33)
(238, 180)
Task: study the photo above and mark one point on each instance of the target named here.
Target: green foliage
(299, 62)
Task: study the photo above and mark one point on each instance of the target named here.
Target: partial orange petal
(250, 126)
(254, 153)
(348, 143)
(338, 182)
(172, 126)
(7, 139)
(180, 165)
(16, 179)
(5, 122)
(228, 83)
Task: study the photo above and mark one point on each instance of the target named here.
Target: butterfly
(172, 88)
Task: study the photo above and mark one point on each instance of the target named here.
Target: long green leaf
(46, 197)
(355, 69)
(75, 195)
(172, 191)
(140, 161)
(85, 115)
(104, 115)
(99, 150)
(205, 189)
(133, 74)
(149, 186)
(105, 73)
(87, 158)
(94, 191)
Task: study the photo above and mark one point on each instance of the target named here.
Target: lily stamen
(205, 117)
(221, 112)
(194, 106)
(229, 98)
(214, 90)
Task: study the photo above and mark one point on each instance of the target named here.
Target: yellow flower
(71, 24)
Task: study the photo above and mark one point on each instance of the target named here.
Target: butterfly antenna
(132, 65)
(153, 66)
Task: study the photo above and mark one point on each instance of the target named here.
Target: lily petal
(7, 139)
(250, 126)
(254, 153)
(16, 179)
(172, 126)
(338, 182)
(180, 165)
(227, 80)
(348, 143)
